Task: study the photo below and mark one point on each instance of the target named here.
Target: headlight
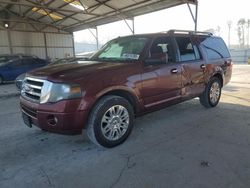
(53, 92)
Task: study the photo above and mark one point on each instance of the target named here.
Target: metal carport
(45, 27)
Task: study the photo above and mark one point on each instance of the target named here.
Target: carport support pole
(196, 16)
(132, 29)
(133, 25)
(45, 45)
(97, 39)
(95, 36)
(73, 45)
(10, 42)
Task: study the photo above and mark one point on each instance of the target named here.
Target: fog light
(52, 120)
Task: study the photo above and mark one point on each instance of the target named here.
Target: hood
(74, 71)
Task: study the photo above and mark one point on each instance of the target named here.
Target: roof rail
(173, 31)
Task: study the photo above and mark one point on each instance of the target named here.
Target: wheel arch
(122, 92)
(220, 77)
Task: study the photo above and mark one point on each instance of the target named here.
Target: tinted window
(28, 61)
(161, 51)
(6, 59)
(15, 63)
(215, 48)
(188, 52)
(40, 61)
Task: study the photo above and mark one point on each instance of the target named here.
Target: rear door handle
(174, 71)
(203, 66)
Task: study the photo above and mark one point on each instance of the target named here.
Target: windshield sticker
(131, 56)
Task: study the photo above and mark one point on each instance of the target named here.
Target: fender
(134, 95)
(211, 72)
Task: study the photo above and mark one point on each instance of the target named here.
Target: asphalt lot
(181, 146)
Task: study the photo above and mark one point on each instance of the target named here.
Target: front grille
(32, 89)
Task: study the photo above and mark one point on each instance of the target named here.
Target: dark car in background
(11, 66)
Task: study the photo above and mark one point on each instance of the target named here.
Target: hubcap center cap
(115, 122)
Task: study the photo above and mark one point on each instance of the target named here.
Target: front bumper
(68, 118)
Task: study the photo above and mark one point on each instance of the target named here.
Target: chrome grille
(32, 88)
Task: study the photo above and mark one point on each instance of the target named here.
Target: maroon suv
(128, 77)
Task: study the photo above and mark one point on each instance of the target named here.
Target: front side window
(3, 60)
(122, 49)
(7, 59)
(161, 51)
(188, 52)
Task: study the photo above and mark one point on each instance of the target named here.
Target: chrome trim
(29, 90)
(33, 86)
(34, 79)
(115, 122)
(29, 114)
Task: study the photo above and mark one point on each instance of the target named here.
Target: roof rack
(173, 31)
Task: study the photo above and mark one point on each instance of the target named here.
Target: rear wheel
(110, 121)
(211, 95)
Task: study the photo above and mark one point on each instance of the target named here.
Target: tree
(241, 31)
(229, 24)
(248, 26)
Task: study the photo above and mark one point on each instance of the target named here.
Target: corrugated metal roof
(73, 15)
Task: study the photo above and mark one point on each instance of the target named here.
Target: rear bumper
(65, 122)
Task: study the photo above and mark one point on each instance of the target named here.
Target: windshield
(122, 49)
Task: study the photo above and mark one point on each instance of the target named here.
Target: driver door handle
(174, 71)
(203, 66)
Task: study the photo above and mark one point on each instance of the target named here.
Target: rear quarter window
(215, 48)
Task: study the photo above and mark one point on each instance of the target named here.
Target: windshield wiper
(114, 59)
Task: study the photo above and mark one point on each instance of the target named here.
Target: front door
(162, 75)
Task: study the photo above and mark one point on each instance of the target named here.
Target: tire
(111, 121)
(211, 96)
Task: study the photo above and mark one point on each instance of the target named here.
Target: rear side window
(188, 51)
(215, 48)
(41, 61)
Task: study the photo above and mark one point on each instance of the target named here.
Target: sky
(212, 14)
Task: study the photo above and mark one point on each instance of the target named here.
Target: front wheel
(110, 121)
(211, 96)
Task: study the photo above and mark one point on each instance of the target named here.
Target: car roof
(172, 33)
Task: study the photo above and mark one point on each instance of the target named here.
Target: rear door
(161, 77)
(193, 67)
